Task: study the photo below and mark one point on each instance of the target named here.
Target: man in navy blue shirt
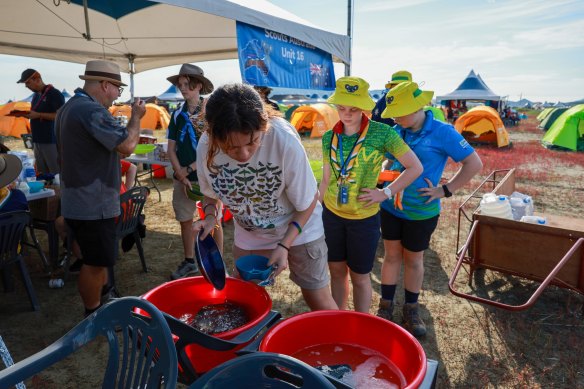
(45, 103)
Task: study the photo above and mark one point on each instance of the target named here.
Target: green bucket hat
(398, 77)
(194, 193)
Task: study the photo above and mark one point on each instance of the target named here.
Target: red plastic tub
(350, 338)
(189, 295)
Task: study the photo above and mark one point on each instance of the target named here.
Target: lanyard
(41, 98)
(341, 165)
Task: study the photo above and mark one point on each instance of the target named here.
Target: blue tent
(472, 88)
(171, 94)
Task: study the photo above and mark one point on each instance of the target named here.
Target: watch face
(387, 191)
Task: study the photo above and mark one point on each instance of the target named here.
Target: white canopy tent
(146, 34)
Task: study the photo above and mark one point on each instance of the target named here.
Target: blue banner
(269, 58)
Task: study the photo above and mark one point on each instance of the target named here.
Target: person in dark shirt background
(45, 103)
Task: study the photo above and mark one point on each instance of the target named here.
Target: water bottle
(534, 220)
(528, 206)
(518, 207)
(28, 169)
(56, 283)
(496, 205)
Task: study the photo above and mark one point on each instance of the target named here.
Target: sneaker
(109, 293)
(385, 310)
(412, 321)
(185, 269)
(76, 267)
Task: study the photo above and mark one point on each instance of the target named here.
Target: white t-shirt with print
(264, 192)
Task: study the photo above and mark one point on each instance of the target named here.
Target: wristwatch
(387, 192)
(447, 192)
(189, 169)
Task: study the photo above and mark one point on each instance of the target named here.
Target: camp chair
(185, 336)
(141, 352)
(263, 370)
(128, 223)
(12, 226)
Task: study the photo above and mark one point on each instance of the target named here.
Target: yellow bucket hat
(404, 99)
(398, 77)
(352, 92)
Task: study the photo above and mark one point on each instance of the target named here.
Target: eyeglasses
(120, 89)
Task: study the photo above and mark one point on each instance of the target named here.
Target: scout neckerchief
(188, 127)
(342, 167)
(47, 88)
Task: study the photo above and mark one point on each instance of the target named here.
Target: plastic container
(521, 205)
(496, 206)
(35, 186)
(253, 267)
(344, 330)
(534, 219)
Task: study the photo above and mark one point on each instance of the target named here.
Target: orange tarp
(156, 117)
(14, 126)
(315, 118)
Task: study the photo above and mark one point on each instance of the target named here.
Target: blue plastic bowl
(253, 267)
(35, 186)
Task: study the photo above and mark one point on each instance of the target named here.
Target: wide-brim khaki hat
(193, 71)
(406, 98)
(10, 168)
(352, 92)
(398, 77)
(100, 70)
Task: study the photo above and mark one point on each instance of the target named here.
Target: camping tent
(438, 113)
(140, 34)
(315, 118)
(543, 114)
(11, 125)
(553, 115)
(155, 118)
(482, 125)
(568, 130)
(472, 88)
(171, 94)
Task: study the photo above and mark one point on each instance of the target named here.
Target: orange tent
(11, 125)
(482, 125)
(156, 117)
(315, 118)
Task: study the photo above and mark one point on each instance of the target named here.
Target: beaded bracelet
(281, 245)
(297, 225)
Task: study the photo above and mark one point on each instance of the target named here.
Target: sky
(531, 49)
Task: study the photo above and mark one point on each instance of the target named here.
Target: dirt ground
(477, 346)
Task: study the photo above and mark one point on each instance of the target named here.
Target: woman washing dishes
(352, 155)
(252, 160)
(407, 230)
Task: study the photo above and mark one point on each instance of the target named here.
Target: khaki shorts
(184, 208)
(307, 262)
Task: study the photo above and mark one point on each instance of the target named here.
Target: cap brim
(398, 110)
(365, 103)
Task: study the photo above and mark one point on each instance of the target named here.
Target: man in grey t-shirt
(89, 140)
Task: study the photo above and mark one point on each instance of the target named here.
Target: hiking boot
(412, 321)
(185, 269)
(385, 310)
(76, 266)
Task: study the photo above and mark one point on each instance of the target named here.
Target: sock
(90, 311)
(411, 297)
(190, 260)
(388, 291)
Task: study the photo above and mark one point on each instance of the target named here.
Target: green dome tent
(438, 113)
(568, 130)
(543, 114)
(549, 120)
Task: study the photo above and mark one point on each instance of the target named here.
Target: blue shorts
(414, 234)
(97, 240)
(354, 241)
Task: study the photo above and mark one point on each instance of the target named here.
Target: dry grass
(477, 346)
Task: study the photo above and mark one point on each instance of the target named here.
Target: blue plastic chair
(12, 226)
(263, 370)
(141, 350)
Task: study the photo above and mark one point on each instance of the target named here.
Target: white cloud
(389, 5)
(561, 36)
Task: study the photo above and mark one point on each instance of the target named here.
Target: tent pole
(349, 34)
(87, 35)
(132, 71)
